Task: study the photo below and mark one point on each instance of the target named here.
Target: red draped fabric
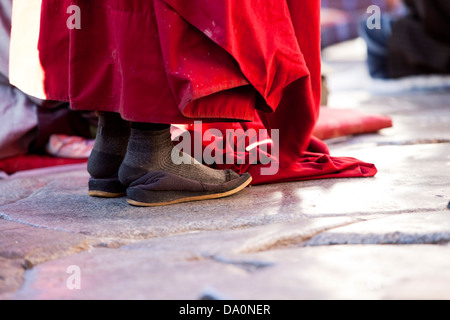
(232, 64)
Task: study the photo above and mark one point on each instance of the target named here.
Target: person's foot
(153, 179)
(107, 155)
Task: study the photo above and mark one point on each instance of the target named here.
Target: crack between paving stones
(4, 216)
(86, 245)
(393, 212)
(296, 240)
(248, 266)
(418, 240)
(412, 142)
(386, 243)
(336, 142)
(293, 241)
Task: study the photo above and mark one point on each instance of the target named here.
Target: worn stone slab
(122, 274)
(162, 262)
(63, 204)
(417, 119)
(413, 178)
(11, 276)
(254, 239)
(68, 207)
(203, 248)
(22, 184)
(195, 246)
(14, 190)
(410, 179)
(409, 228)
(329, 272)
(35, 245)
(345, 272)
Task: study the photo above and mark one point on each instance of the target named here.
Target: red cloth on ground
(32, 161)
(335, 123)
(176, 61)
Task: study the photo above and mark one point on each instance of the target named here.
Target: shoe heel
(106, 188)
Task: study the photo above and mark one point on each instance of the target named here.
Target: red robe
(219, 61)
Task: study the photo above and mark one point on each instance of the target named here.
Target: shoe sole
(192, 198)
(104, 194)
(106, 188)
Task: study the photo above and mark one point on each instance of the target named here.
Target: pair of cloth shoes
(138, 163)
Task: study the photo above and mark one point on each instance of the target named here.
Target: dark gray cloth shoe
(106, 187)
(107, 155)
(153, 179)
(159, 188)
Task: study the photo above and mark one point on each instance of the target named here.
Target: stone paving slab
(415, 120)
(410, 179)
(11, 276)
(415, 177)
(37, 245)
(346, 272)
(55, 219)
(413, 228)
(122, 274)
(245, 240)
(23, 246)
(14, 190)
(325, 272)
(67, 207)
(186, 251)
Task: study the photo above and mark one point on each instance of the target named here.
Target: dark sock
(152, 151)
(110, 145)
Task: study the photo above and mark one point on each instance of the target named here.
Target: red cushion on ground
(334, 123)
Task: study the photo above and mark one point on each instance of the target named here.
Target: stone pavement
(385, 237)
